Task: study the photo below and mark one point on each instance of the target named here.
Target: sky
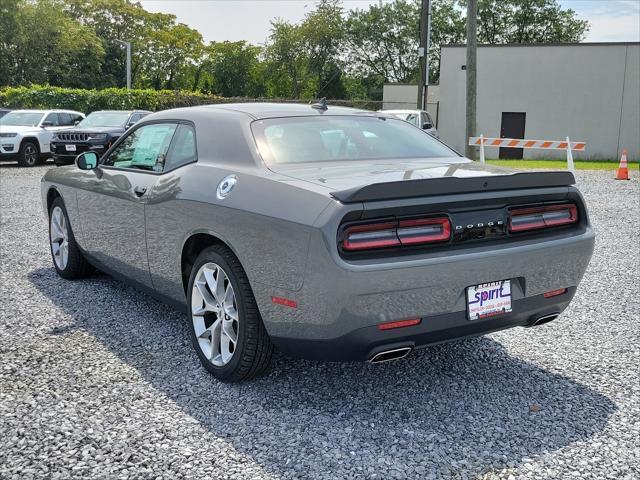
(219, 20)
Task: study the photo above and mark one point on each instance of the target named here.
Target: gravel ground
(98, 380)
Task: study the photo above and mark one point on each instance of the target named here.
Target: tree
(45, 45)
(528, 21)
(383, 41)
(323, 32)
(231, 66)
(287, 59)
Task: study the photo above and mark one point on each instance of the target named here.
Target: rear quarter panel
(265, 221)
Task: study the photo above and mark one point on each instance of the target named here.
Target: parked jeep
(25, 135)
(95, 133)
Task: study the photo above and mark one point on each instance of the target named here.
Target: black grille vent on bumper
(73, 137)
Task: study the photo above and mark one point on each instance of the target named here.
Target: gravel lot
(98, 380)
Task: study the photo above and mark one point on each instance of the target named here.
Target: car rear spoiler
(453, 185)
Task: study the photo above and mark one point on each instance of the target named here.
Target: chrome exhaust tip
(388, 355)
(545, 319)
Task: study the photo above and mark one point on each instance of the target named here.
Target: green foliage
(106, 99)
(40, 43)
(383, 40)
(528, 21)
(331, 52)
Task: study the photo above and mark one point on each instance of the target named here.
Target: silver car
(329, 233)
(419, 118)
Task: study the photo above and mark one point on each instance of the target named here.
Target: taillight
(396, 233)
(533, 218)
(365, 237)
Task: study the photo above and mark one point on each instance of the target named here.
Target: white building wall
(588, 92)
(405, 95)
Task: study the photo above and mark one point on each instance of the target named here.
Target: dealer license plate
(488, 299)
(70, 148)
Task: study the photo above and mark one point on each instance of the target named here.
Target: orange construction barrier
(623, 169)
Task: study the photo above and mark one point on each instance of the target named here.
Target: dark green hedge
(108, 99)
(87, 101)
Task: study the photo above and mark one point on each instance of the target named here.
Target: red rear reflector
(523, 219)
(555, 293)
(285, 301)
(397, 233)
(400, 324)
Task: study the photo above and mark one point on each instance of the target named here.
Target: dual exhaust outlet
(401, 352)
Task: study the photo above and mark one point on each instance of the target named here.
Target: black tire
(254, 349)
(29, 154)
(77, 266)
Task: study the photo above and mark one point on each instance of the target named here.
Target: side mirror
(129, 125)
(87, 161)
(76, 122)
(427, 126)
(46, 124)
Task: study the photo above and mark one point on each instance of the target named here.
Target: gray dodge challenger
(329, 233)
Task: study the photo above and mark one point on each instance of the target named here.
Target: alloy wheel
(59, 237)
(30, 154)
(214, 313)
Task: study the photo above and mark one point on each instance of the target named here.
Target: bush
(87, 101)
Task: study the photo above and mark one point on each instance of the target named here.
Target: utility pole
(423, 52)
(128, 46)
(472, 46)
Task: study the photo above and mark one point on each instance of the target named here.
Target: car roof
(122, 111)
(401, 111)
(272, 110)
(46, 111)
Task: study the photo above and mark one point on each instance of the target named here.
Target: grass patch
(561, 164)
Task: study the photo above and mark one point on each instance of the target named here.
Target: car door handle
(140, 191)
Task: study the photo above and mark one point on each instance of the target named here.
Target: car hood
(345, 175)
(19, 129)
(96, 130)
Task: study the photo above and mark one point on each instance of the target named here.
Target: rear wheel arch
(193, 246)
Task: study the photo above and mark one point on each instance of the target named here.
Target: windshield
(105, 119)
(22, 119)
(343, 138)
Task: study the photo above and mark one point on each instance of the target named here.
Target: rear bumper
(341, 304)
(363, 343)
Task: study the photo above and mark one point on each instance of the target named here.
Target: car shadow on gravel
(458, 409)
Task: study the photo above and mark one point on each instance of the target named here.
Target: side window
(66, 119)
(413, 118)
(145, 149)
(53, 118)
(183, 149)
(134, 118)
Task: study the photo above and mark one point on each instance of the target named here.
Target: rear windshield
(105, 119)
(343, 138)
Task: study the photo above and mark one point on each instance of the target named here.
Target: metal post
(128, 66)
(570, 165)
(425, 27)
(472, 37)
(128, 47)
(481, 148)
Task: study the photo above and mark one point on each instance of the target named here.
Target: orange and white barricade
(567, 145)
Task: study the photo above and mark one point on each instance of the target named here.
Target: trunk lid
(385, 180)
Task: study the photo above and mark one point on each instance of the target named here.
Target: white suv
(25, 134)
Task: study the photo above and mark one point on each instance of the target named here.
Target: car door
(112, 205)
(45, 136)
